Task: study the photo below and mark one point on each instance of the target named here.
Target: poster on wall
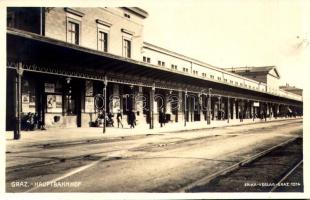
(54, 103)
(49, 87)
(89, 88)
(59, 102)
(89, 104)
(25, 103)
(32, 103)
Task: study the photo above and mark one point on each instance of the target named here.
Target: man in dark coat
(132, 119)
(162, 117)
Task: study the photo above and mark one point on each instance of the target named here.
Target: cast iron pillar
(185, 105)
(18, 100)
(228, 109)
(104, 110)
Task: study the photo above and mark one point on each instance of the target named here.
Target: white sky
(236, 33)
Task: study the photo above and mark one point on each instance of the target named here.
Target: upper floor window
(127, 15)
(204, 74)
(225, 80)
(231, 82)
(146, 59)
(161, 63)
(73, 32)
(11, 19)
(103, 41)
(195, 72)
(185, 69)
(236, 83)
(212, 76)
(219, 78)
(175, 67)
(127, 48)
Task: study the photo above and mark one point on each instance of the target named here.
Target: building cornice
(137, 11)
(75, 12)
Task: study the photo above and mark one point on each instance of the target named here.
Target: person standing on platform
(162, 117)
(132, 119)
(119, 118)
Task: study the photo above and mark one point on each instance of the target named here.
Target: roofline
(203, 64)
(137, 11)
(247, 67)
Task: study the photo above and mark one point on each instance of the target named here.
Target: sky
(236, 33)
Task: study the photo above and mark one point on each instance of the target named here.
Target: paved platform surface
(54, 135)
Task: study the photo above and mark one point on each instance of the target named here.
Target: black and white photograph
(173, 98)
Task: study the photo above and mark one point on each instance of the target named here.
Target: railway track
(202, 184)
(285, 177)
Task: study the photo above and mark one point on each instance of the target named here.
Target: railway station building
(60, 59)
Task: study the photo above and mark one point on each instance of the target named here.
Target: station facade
(59, 60)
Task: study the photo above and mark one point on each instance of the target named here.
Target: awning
(43, 54)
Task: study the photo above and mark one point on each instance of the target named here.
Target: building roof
(289, 87)
(272, 70)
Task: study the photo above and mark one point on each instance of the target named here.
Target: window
(195, 72)
(236, 83)
(211, 76)
(185, 69)
(161, 63)
(103, 41)
(127, 48)
(127, 15)
(175, 67)
(73, 32)
(231, 82)
(219, 78)
(225, 80)
(11, 19)
(146, 59)
(204, 74)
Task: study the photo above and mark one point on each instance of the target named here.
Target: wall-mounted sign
(54, 103)
(256, 104)
(25, 103)
(89, 104)
(89, 88)
(32, 102)
(49, 87)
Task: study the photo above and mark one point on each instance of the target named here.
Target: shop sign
(49, 87)
(256, 104)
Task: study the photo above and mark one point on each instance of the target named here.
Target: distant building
(268, 75)
(292, 89)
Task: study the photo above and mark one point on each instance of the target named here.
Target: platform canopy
(47, 55)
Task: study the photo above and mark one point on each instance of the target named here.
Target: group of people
(31, 121)
(131, 119)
